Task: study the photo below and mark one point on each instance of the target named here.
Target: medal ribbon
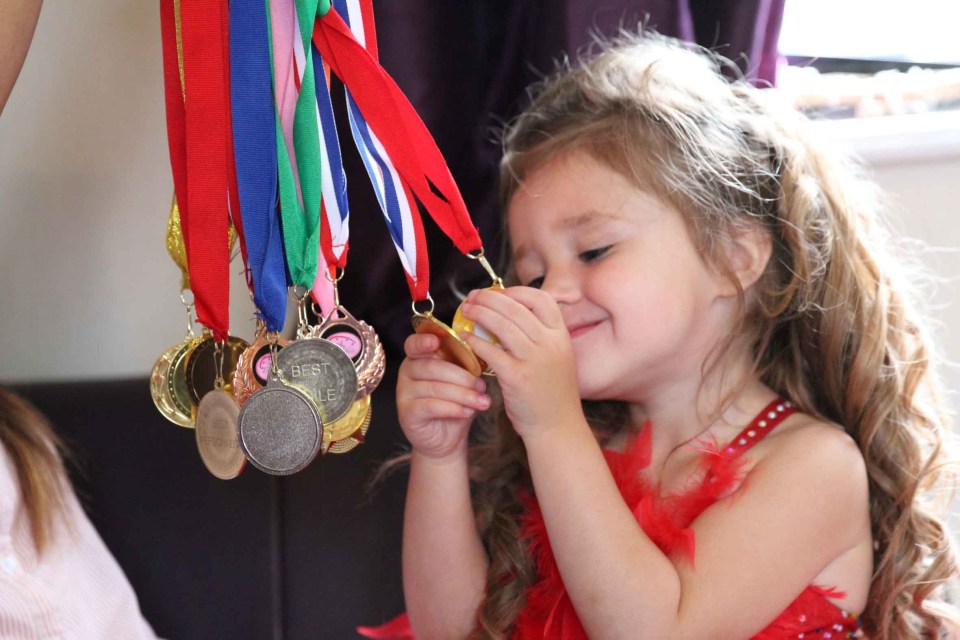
(300, 165)
(204, 30)
(403, 135)
(255, 146)
(334, 208)
(393, 195)
(174, 101)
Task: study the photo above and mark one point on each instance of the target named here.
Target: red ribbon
(400, 129)
(204, 34)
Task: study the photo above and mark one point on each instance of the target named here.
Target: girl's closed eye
(536, 283)
(595, 254)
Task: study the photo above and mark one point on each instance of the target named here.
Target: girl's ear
(747, 251)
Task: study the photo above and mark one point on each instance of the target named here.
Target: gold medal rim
(158, 383)
(350, 422)
(233, 468)
(349, 444)
(183, 406)
(453, 348)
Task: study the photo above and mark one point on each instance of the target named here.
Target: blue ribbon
(255, 150)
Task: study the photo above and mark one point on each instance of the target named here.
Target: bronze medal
(453, 348)
(360, 342)
(203, 367)
(280, 429)
(253, 367)
(356, 438)
(217, 438)
(324, 370)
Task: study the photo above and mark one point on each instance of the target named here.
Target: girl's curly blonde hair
(833, 324)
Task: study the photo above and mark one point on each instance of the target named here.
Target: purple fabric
(465, 67)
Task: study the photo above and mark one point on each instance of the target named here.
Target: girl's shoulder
(806, 438)
(815, 453)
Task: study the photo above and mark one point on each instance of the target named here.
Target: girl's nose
(562, 285)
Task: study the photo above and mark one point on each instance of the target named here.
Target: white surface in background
(921, 30)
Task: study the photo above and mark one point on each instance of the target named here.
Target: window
(845, 58)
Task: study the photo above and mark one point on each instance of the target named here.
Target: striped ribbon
(394, 196)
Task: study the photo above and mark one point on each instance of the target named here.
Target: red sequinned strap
(772, 415)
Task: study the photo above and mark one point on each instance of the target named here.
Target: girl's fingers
(504, 304)
(495, 357)
(421, 345)
(464, 396)
(539, 303)
(512, 337)
(435, 409)
(437, 370)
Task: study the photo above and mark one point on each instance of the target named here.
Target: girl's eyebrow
(588, 218)
(574, 223)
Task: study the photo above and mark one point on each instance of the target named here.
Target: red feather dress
(549, 612)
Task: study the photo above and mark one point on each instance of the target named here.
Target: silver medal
(280, 429)
(324, 371)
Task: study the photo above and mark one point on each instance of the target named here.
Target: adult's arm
(18, 21)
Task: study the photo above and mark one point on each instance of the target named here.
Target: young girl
(714, 412)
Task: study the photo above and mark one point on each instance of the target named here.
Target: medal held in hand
(280, 427)
(453, 348)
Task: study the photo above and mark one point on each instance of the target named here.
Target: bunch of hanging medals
(256, 163)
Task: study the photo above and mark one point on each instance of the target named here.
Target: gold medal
(158, 382)
(462, 324)
(453, 348)
(164, 384)
(177, 388)
(356, 438)
(253, 365)
(217, 435)
(350, 422)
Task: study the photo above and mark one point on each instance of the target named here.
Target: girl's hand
(535, 367)
(436, 400)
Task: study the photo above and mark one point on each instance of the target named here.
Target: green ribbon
(301, 223)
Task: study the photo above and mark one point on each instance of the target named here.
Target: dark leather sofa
(310, 555)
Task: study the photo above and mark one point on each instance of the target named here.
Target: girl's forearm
(620, 583)
(444, 564)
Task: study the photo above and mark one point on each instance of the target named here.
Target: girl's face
(642, 308)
